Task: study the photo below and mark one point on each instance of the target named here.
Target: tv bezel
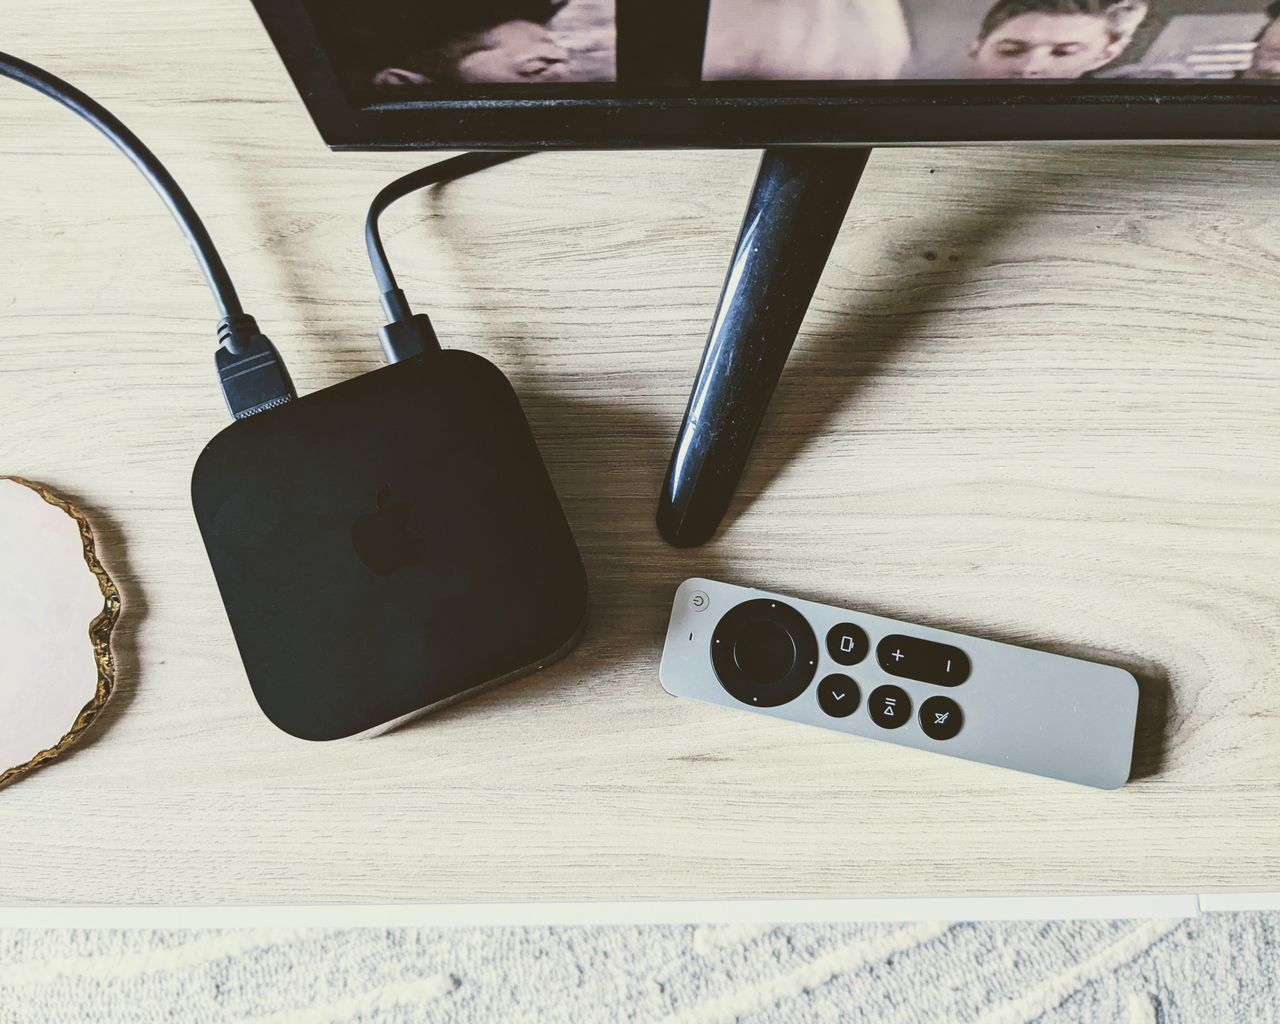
(759, 114)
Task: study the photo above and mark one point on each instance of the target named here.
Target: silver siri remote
(925, 688)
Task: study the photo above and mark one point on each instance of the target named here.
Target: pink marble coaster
(57, 610)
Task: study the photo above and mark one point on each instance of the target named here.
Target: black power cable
(409, 334)
(253, 375)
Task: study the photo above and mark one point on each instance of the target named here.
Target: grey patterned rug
(1215, 968)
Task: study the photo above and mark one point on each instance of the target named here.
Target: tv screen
(688, 72)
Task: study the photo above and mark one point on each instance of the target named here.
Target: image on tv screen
(396, 46)
(406, 49)
(1056, 40)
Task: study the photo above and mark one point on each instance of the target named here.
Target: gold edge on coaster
(100, 630)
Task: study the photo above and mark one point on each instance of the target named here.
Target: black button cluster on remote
(889, 706)
(764, 653)
(838, 696)
(847, 643)
(941, 718)
(922, 660)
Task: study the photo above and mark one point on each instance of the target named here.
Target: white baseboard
(763, 912)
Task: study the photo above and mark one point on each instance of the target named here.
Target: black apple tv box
(388, 545)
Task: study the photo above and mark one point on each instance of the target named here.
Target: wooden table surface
(1035, 400)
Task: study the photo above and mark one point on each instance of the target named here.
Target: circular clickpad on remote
(764, 653)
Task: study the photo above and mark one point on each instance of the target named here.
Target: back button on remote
(838, 696)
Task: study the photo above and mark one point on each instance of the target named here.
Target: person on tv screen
(1054, 38)
(1266, 54)
(805, 40)
(498, 41)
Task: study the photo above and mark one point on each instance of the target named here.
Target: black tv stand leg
(798, 204)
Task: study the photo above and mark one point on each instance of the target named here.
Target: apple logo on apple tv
(382, 538)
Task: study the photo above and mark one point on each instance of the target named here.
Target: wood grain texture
(1035, 400)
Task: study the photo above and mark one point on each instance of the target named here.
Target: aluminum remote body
(883, 679)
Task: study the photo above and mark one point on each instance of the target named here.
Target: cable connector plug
(408, 334)
(254, 377)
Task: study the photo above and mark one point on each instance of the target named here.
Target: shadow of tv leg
(797, 206)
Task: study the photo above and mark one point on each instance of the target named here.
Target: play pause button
(889, 707)
(838, 696)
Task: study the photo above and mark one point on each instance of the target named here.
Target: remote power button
(699, 601)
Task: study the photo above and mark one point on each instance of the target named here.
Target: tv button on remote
(941, 718)
(909, 657)
(838, 696)
(889, 706)
(847, 644)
